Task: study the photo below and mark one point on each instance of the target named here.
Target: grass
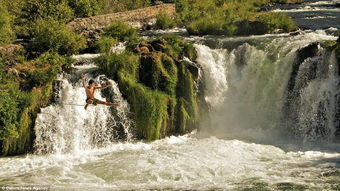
(21, 98)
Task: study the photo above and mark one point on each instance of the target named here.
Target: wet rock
(296, 33)
(11, 54)
(57, 86)
(303, 53)
(144, 50)
(193, 68)
(159, 45)
(13, 71)
(248, 27)
(337, 4)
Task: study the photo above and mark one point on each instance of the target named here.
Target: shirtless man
(90, 93)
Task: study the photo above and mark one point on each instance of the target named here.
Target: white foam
(307, 9)
(182, 162)
(85, 56)
(213, 63)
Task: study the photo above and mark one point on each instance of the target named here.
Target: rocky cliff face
(161, 85)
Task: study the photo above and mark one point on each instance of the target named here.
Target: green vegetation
(6, 32)
(52, 36)
(286, 1)
(229, 17)
(159, 87)
(86, 8)
(111, 6)
(164, 21)
(58, 10)
(105, 44)
(24, 88)
(121, 32)
(116, 32)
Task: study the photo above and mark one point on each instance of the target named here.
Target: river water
(266, 132)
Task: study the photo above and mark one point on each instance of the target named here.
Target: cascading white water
(247, 87)
(216, 81)
(66, 127)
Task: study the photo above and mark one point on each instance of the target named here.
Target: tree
(86, 8)
(41, 9)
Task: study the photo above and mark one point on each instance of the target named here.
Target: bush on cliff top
(177, 48)
(50, 35)
(118, 31)
(164, 21)
(41, 71)
(6, 32)
(105, 44)
(121, 31)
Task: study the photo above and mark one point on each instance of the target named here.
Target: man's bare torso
(90, 92)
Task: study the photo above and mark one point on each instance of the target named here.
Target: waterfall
(282, 84)
(66, 127)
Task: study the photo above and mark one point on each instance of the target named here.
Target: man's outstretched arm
(83, 80)
(102, 87)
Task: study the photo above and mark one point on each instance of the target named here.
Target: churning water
(178, 163)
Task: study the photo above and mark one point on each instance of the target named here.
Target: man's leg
(107, 103)
(88, 103)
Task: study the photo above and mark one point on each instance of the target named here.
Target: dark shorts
(94, 100)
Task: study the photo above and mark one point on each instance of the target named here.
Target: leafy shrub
(53, 36)
(43, 70)
(111, 6)
(176, 47)
(218, 16)
(112, 64)
(58, 10)
(215, 26)
(86, 8)
(286, 1)
(277, 21)
(6, 32)
(8, 110)
(105, 44)
(164, 21)
(8, 106)
(121, 31)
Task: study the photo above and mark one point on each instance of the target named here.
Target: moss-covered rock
(23, 93)
(158, 71)
(158, 84)
(23, 141)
